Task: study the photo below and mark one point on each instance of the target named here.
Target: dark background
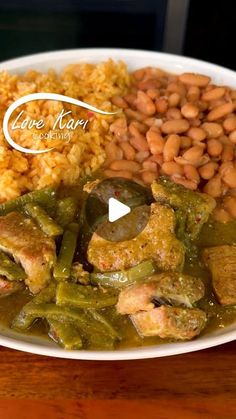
(196, 28)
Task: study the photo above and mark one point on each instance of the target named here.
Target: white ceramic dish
(134, 59)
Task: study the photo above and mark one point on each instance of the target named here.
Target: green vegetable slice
(62, 269)
(66, 211)
(45, 197)
(65, 334)
(120, 279)
(81, 296)
(11, 270)
(46, 223)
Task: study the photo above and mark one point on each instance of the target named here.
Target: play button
(116, 210)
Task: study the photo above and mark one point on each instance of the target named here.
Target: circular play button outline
(117, 209)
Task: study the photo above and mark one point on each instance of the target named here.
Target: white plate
(134, 59)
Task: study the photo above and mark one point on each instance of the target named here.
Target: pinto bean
(161, 105)
(232, 137)
(125, 165)
(230, 205)
(171, 148)
(176, 87)
(141, 156)
(191, 173)
(129, 151)
(229, 178)
(193, 93)
(229, 123)
(226, 167)
(212, 129)
(122, 173)
(130, 98)
(224, 139)
(187, 183)
(137, 116)
(189, 111)
(228, 153)
(139, 143)
(214, 147)
(148, 177)
(119, 101)
(220, 111)
(195, 123)
(149, 165)
(144, 104)
(173, 113)
(158, 158)
(113, 152)
(221, 215)
(174, 99)
(208, 170)
(197, 134)
(195, 162)
(193, 154)
(119, 127)
(157, 122)
(148, 84)
(153, 93)
(175, 126)
(139, 74)
(136, 126)
(213, 187)
(194, 79)
(214, 94)
(172, 168)
(185, 142)
(155, 141)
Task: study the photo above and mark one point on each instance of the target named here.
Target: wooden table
(196, 385)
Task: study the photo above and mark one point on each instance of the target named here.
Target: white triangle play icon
(116, 209)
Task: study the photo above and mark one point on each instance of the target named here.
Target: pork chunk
(221, 261)
(171, 288)
(157, 242)
(8, 287)
(170, 322)
(20, 237)
(192, 208)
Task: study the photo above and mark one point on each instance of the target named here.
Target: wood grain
(200, 384)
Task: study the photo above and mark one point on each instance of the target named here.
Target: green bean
(46, 223)
(92, 331)
(62, 268)
(65, 334)
(45, 197)
(108, 326)
(11, 270)
(66, 211)
(24, 319)
(120, 279)
(81, 296)
(52, 312)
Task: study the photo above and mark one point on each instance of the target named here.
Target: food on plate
(221, 260)
(171, 288)
(163, 248)
(150, 289)
(192, 209)
(170, 322)
(21, 238)
(163, 273)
